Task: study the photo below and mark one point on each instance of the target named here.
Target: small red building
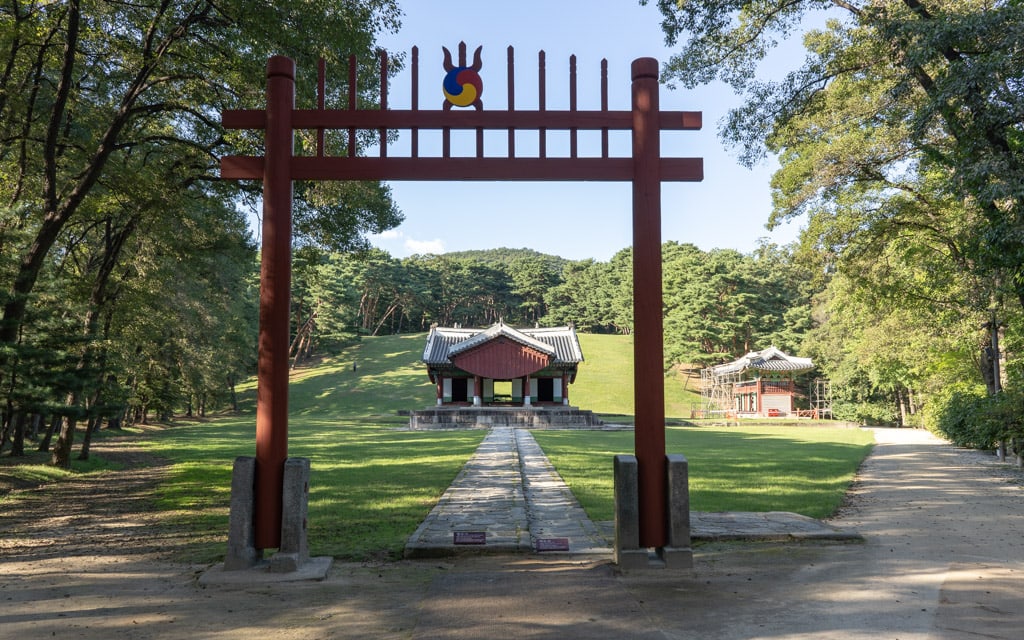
(762, 382)
(540, 363)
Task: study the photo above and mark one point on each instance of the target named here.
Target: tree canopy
(109, 139)
(899, 139)
(901, 111)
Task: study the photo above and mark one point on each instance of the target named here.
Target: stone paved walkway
(552, 508)
(509, 493)
(509, 498)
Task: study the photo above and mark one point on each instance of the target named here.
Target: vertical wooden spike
(604, 105)
(541, 106)
(415, 70)
(321, 81)
(572, 105)
(462, 54)
(352, 103)
(478, 105)
(511, 99)
(446, 133)
(383, 100)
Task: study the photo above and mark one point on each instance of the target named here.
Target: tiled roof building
(465, 363)
(761, 382)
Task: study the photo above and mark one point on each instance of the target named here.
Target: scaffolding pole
(821, 398)
(716, 392)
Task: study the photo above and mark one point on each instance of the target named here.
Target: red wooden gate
(279, 166)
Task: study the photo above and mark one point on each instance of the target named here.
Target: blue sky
(577, 220)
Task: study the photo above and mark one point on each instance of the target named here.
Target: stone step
(537, 418)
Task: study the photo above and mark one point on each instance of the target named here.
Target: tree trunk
(37, 419)
(44, 444)
(5, 428)
(985, 364)
(18, 441)
(309, 343)
(234, 394)
(90, 426)
(116, 421)
(65, 440)
(387, 314)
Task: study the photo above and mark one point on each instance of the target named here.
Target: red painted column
(275, 294)
(648, 370)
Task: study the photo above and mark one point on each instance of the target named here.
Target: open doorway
(460, 390)
(502, 392)
(545, 390)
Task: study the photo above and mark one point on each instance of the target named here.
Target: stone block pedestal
(628, 553)
(292, 558)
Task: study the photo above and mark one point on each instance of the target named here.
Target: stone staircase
(537, 417)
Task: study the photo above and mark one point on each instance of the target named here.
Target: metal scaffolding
(716, 392)
(821, 398)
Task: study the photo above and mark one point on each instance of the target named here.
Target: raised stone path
(509, 492)
(509, 498)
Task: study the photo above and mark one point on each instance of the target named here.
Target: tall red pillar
(275, 300)
(648, 368)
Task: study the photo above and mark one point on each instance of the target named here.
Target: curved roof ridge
(500, 328)
(560, 342)
(770, 359)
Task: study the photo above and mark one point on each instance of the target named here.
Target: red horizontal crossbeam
(498, 120)
(519, 169)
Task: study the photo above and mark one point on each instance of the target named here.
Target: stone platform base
(260, 573)
(534, 417)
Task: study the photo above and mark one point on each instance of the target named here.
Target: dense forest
(128, 276)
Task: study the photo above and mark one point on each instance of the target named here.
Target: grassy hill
(389, 377)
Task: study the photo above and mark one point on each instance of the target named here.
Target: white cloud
(424, 246)
(391, 239)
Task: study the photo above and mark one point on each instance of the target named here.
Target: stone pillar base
(293, 555)
(294, 510)
(242, 552)
(628, 554)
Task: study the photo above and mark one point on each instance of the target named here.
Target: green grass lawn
(800, 469)
(372, 485)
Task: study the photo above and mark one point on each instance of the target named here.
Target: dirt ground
(943, 558)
